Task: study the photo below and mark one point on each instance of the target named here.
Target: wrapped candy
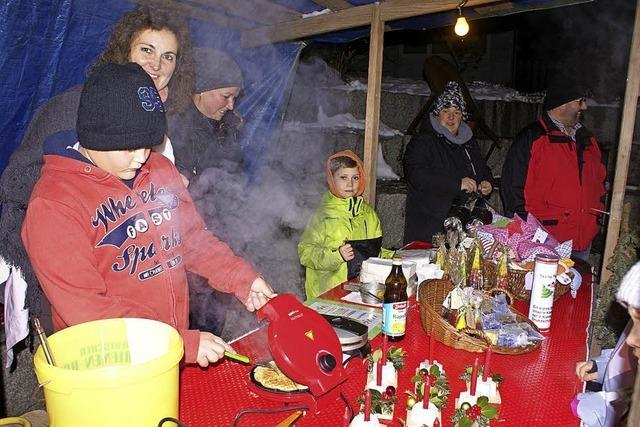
(525, 238)
(476, 280)
(502, 276)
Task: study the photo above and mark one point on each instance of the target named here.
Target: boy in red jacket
(111, 230)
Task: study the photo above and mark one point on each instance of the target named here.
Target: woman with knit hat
(344, 230)
(205, 136)
(206, 132)
(442, 166)
(615, 368)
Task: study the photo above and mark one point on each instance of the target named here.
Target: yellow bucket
(114, 372)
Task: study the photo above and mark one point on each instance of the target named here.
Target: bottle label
(394, 318)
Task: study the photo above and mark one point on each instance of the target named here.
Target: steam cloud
(263, 220)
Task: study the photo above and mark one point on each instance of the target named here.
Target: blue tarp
(47, 46)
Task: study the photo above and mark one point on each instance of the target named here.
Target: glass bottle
(394, 307)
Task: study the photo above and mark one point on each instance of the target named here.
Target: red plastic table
(537, 390)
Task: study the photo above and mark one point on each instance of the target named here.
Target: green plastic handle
(239, 357)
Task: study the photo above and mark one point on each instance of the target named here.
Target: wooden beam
(203, 15)
(269, 12)
(357, 16)
(372, 115)
(510, 8)
(333, 4)
(624, 148)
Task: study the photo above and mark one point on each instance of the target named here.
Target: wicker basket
(515, 278)
(431, 294)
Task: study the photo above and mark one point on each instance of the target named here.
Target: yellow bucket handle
(170, 420)
(15, 420)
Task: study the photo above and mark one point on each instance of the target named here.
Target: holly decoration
(395, 355)
(479, 414)
(466, 375)
(439, 387)
(381, 403)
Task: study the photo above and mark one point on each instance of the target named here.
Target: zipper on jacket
(163, 259)
(473, 168)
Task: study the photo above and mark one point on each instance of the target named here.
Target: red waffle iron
(306, 348)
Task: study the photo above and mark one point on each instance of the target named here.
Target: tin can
(543, 288)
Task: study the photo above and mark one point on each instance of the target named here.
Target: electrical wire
(266, 411)
(346, 403)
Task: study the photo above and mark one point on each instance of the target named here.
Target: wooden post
(372, 117)
(624, 148)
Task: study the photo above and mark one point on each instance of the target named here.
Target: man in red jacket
(554, 170)
(110, 229)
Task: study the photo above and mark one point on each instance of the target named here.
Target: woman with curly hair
(168, 61)
(155, 38)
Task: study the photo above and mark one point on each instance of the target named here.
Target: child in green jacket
(343, 231)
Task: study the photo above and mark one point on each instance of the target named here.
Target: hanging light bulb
(462, 26)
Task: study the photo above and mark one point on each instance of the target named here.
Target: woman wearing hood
(443, 166)
(344, 230)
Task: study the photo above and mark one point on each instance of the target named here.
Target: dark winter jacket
(200, 143)
(558, 180)
(434, 168)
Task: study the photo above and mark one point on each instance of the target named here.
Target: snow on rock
(316, 13)
(478, 90)
(339, 122)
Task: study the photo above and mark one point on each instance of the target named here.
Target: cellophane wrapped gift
(526, 239)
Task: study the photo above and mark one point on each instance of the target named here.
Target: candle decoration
(427, 392)
(474, 377)
(367, 405)
(487, 364)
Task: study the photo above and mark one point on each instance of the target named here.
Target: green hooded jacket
(335, 221)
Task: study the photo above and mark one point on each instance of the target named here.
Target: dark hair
(147, 17)
(342, 162)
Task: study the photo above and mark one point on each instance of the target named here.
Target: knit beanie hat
(629, 290)
(120, 109)
(215, 69)
(563, 89)
(451, 96)
(355, 158)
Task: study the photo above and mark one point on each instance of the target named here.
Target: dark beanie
(215, 69)
(120, 109)
(563, 89)
(451, 96)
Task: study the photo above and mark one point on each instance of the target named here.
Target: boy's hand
(346, 252)
(582, 371)
(211, 349)
(259, 294)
